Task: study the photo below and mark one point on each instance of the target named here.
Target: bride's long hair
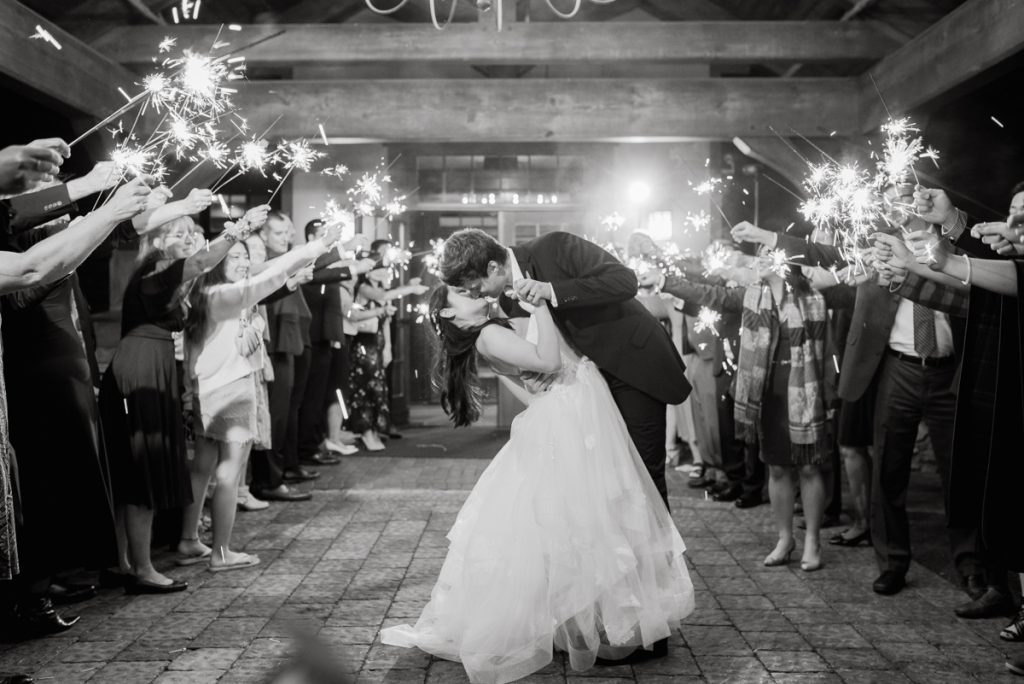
(455, 363)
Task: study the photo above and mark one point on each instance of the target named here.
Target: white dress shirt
(901, 338)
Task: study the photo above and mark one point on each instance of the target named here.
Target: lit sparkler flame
(707, 320)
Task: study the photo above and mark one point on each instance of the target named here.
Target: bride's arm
(503, 345)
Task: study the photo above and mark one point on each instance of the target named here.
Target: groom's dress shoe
(993, 603)
(731, 492)
(640, 655)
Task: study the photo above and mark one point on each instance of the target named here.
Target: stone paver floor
(365, 552)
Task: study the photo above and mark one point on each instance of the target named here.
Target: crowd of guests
(246, 361)
(822, 364)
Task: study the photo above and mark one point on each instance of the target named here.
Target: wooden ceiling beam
(551, 110)
(528, 43)
(969, 40)
(76, 76)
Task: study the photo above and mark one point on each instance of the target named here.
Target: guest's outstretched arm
(58, 255)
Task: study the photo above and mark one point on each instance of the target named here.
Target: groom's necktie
(924, 331)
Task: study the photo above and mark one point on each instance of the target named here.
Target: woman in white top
(223, 344)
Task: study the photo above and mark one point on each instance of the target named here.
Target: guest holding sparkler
(141, 398)
(369, 413)
(909, 346)
(28, 611)
(983, 475)
(779, 389)
(326, 333)
(224, 345)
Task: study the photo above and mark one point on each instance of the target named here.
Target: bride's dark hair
(455, 363)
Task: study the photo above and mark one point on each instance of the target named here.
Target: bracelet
(967, 280)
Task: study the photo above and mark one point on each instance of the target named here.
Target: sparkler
(708, 188)
(613, 221)
(432, 260)
(341, 404)
(338, 171)
(296, 154)
(43, 34)
(716, 257)
(707, 320)
(698, 221)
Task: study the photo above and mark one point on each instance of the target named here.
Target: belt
(927, 362)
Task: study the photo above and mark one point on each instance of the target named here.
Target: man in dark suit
(915, 383)
(593, 300)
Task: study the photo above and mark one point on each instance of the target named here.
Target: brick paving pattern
(364, 553)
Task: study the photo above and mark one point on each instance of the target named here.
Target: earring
(447, 313)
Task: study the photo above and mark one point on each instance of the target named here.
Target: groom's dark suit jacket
(599, 314)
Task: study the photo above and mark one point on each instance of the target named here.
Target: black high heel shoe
(862, 538)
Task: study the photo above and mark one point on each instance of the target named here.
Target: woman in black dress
(140, 397)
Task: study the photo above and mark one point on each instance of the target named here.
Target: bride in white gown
(564, 541)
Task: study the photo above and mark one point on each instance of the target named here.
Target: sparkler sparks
(613, 221)
(338, 171)
(707, 320)
(698, 221)
(166, 44)
(716, 257)
(297, 154)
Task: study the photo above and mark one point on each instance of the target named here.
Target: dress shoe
(702, 482)
(856, 540)
(7, 678)
(993, 603)
(141, 586)
(975, 586)
(113, 579)
(63, 594)
(889, 583)
(749, 500)
(731, 492)
(319, 460)
(36, 618)
(282, 493)
(300, 474)
(640, 655)
(1016, 665)
(394, 435)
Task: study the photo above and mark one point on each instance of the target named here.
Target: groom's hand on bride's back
(539, 381)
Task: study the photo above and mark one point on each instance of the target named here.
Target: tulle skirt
(563, 543)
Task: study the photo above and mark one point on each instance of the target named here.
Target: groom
(593, 301)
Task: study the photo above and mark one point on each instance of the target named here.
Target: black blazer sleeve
(806, 253)
(716, 297)
(31, 209)
(590, 275)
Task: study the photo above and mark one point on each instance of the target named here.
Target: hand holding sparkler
(23, 167)
(197, 201)
(158, 197)
(362, 266)
(103, 176)
(254, 218)
(932, 205)
(999, 237)
(929, 249)
(129, 199)
(744, 231)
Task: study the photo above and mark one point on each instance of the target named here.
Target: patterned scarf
(8, 482)
(806, 322)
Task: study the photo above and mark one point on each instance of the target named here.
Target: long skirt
(64, 489)
(142, 418)
(368, 397)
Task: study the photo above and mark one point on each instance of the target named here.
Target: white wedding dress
(563, 543)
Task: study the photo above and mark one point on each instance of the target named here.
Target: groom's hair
(466, 255)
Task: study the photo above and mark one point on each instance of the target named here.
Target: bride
(564, 542)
